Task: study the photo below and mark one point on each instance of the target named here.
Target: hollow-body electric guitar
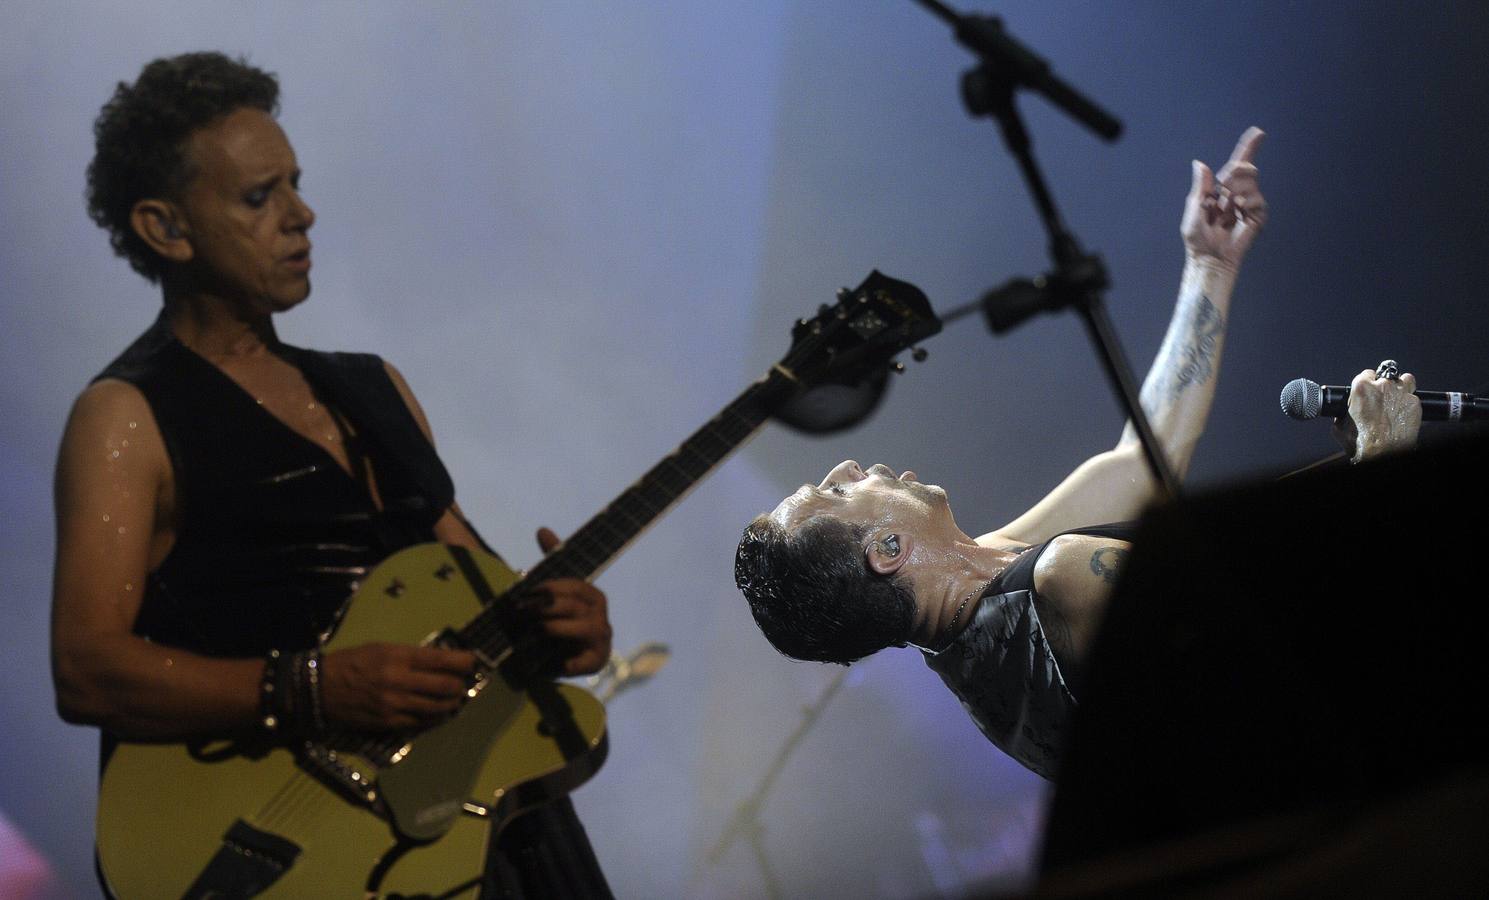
(363, 815)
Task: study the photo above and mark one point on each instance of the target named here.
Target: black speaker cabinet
(1302, 652)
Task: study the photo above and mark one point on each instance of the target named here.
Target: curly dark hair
(140, 138)
(813, 595)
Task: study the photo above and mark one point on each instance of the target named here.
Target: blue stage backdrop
(581, 228)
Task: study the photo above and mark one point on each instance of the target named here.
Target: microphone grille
(1302, 399)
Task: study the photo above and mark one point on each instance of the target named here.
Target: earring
(890, 545)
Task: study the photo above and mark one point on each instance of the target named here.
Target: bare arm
(1222, 216)
(112, 490)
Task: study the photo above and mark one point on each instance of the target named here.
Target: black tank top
(272, 534)
(1005, 670)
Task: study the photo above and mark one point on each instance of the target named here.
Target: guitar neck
(846, 343)
(591, 548)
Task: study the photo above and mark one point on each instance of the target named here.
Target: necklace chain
(950, 630)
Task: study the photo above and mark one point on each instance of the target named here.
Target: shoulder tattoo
(1107, 562)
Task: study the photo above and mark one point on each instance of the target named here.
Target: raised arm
(1222, 216)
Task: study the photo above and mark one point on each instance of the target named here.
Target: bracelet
(269, 718)
(286, 695)
(312, 695)
(290, 694)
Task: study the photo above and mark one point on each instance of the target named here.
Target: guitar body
(166, 809)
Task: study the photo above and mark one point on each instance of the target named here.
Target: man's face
(873, 497)
(243, 214)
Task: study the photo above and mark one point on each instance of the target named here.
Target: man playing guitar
(220, 493)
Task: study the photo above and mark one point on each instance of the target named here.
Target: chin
(290, 299)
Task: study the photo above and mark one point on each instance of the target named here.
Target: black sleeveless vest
(1004, 669)
(272, 534)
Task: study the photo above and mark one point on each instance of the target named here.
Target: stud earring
(890, 545)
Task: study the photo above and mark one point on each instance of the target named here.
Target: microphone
(1304, 399)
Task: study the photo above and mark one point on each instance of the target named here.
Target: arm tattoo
(1199, 353)
(1107, 562)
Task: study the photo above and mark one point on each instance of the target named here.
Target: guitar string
(269, 811)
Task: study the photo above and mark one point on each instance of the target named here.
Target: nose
(847, 470)
(301, 216)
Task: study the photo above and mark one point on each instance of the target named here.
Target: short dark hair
(140, 138)
(813, 594)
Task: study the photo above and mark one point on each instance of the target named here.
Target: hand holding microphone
(1380, 412)
(1383, 416)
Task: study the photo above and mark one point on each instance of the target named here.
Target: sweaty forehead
(798, 507)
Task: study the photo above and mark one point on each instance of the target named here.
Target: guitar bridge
(324, 763)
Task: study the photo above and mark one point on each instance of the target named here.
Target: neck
(948, 593)
(217, 328)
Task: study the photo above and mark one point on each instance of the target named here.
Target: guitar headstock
(841, 357)
(859, 335)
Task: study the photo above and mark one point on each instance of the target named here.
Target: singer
(869, 559)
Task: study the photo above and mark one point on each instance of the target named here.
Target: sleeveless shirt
(272, 533)
(273, 536)
(1004, 670)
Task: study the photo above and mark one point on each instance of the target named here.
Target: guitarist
(219, 493)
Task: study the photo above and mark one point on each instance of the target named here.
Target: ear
(881, 553)
(160, 225)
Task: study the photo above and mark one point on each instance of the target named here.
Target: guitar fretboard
(604, 536)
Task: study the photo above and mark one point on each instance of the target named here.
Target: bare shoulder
(1076, 575)
(111, 441)
(111, 414)
(1080, 568)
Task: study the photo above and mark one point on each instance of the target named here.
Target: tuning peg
(897, 368)
(843, 293)
(918, 354)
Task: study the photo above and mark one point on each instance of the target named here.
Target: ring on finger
(1388, 370)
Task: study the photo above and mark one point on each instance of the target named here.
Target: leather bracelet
(269, 713)
(312, 719)
(287, 695)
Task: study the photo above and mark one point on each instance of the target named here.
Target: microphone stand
(746, 819)
(1078, 278)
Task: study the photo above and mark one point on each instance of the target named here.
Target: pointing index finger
(1246, 147)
